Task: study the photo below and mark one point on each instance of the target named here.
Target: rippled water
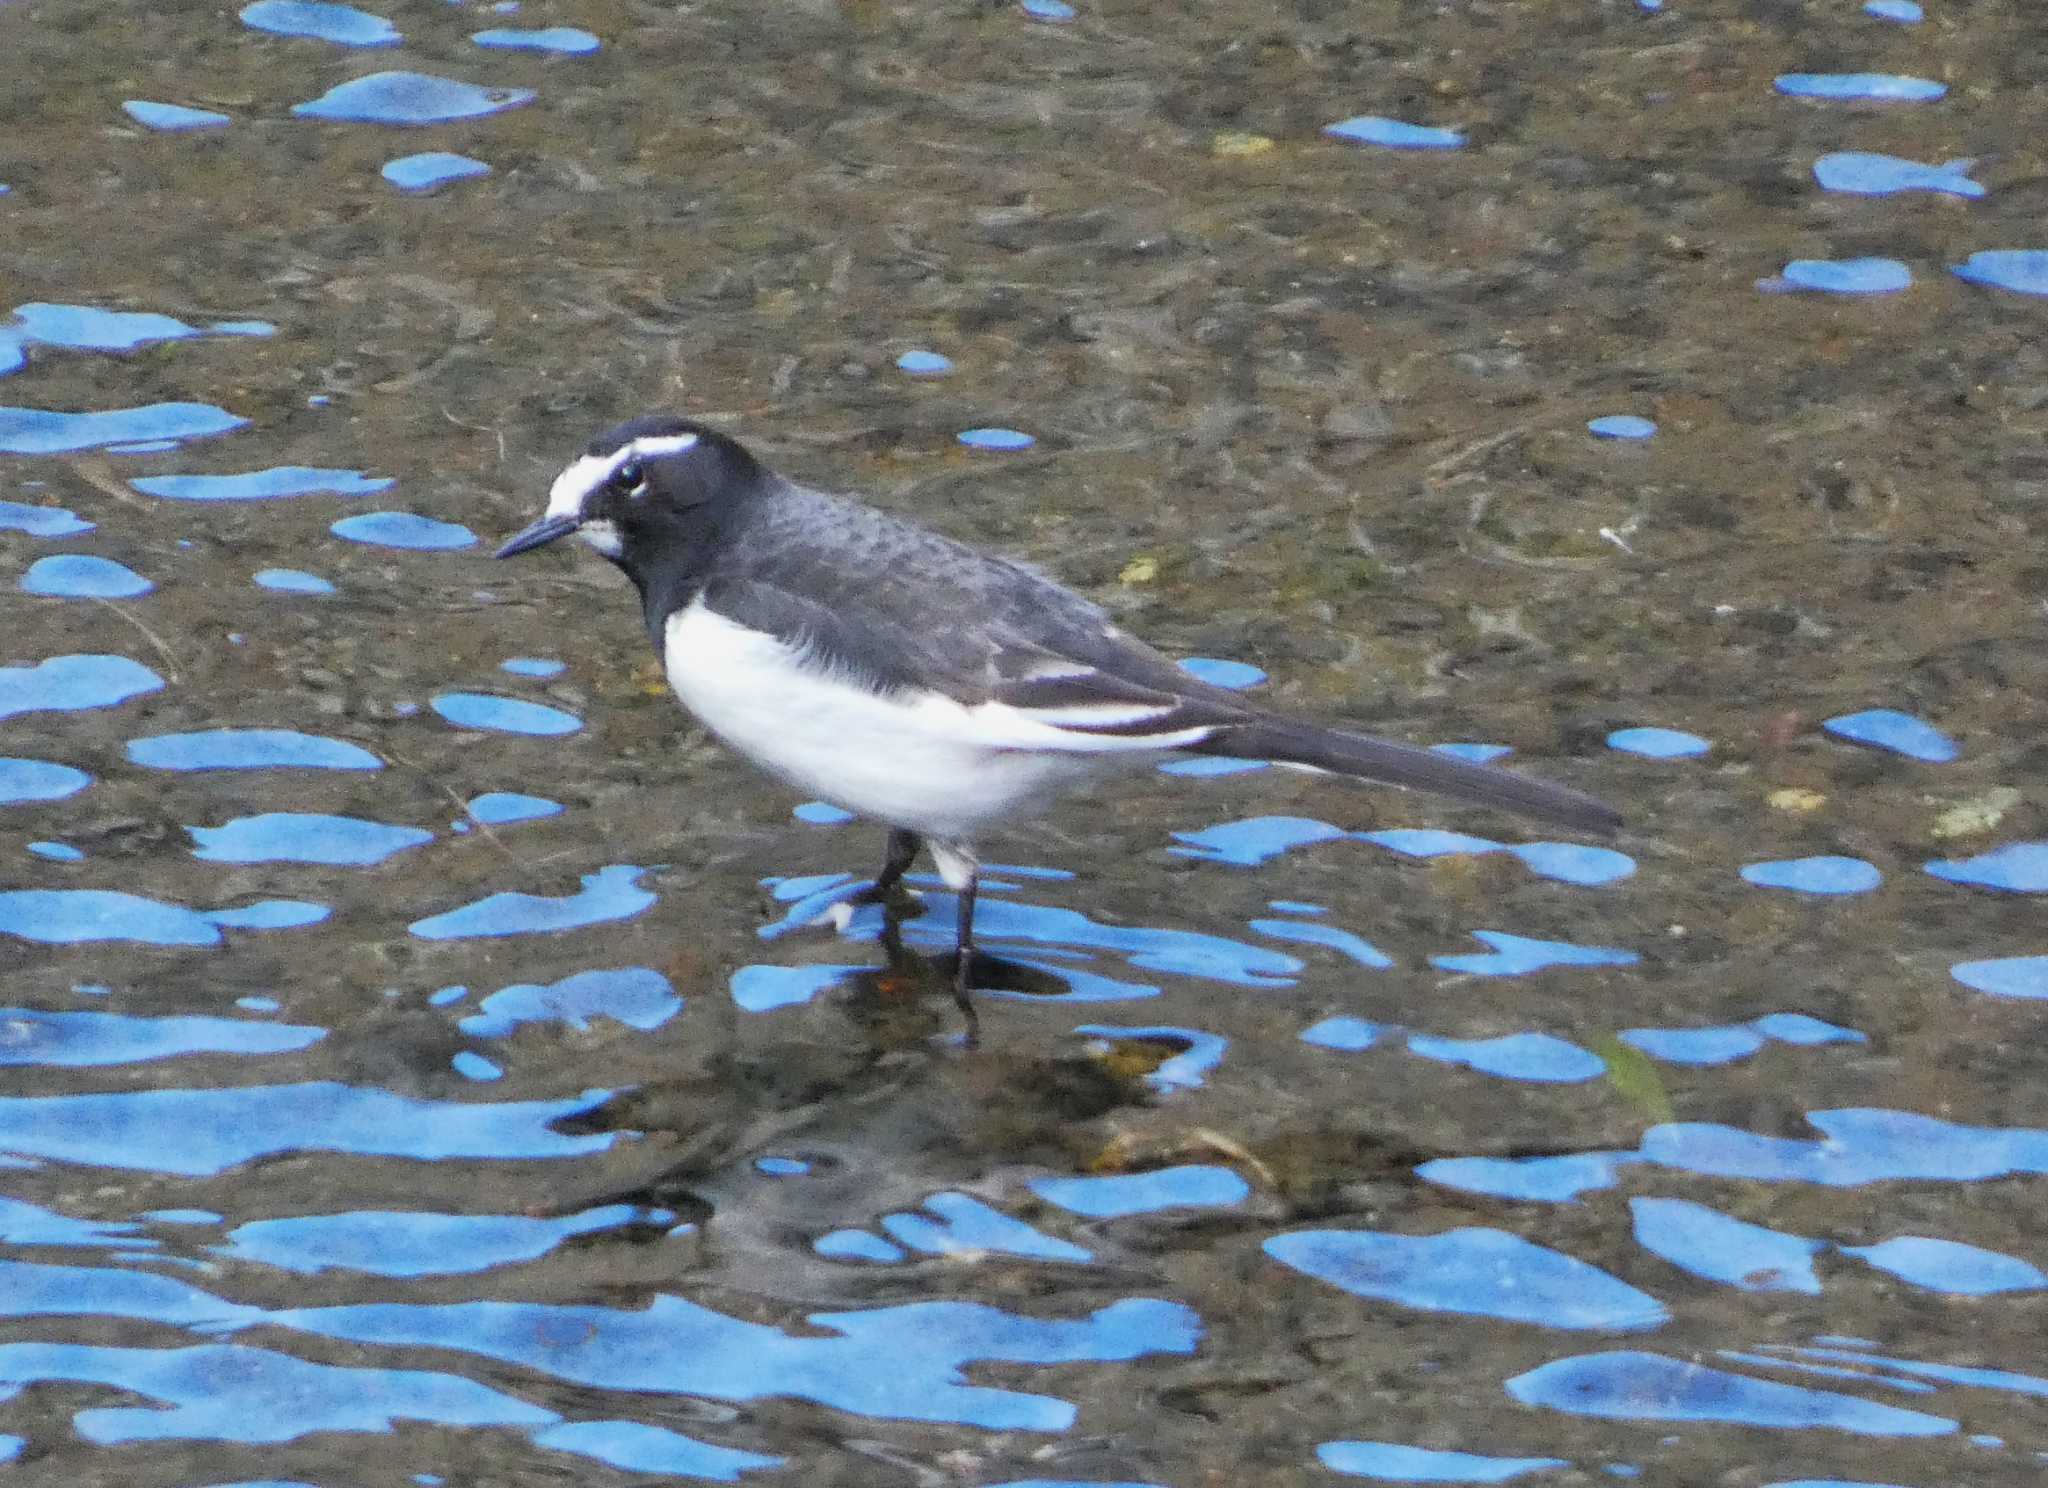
(433, 1062)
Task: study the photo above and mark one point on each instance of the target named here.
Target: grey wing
(989, 662)
(1094, 679)
(903, 608)
(900, 606)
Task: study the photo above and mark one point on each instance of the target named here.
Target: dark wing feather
(883, 596)
(902, 606)
(859, 644)
(981, 664)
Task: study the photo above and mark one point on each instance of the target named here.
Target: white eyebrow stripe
(654, 446)
(573, 486)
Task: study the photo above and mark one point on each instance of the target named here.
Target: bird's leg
(901, 853)
(962, 874)
(892, 939)
(963, 964)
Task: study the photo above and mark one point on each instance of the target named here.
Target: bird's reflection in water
(910, 980)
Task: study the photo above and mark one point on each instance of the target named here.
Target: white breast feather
(917, 760)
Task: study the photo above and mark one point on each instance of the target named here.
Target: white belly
(925, 763)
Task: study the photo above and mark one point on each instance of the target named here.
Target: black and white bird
(911, 679)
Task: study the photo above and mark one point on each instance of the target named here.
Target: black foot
(917, 970)
(963, 994)
(902, 852)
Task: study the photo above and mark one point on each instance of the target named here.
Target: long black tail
(1381, 760)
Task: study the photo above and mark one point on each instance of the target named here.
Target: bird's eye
(629, 478)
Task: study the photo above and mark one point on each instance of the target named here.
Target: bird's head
(646, 490)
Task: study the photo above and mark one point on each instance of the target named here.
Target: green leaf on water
(1635, 1078)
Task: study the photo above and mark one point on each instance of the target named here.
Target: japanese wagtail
(911, 679)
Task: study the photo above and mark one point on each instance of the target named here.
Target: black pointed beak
(539, 535)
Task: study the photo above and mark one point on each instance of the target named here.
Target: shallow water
(426, 1064)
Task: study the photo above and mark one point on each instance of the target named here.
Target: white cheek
(603, 536)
